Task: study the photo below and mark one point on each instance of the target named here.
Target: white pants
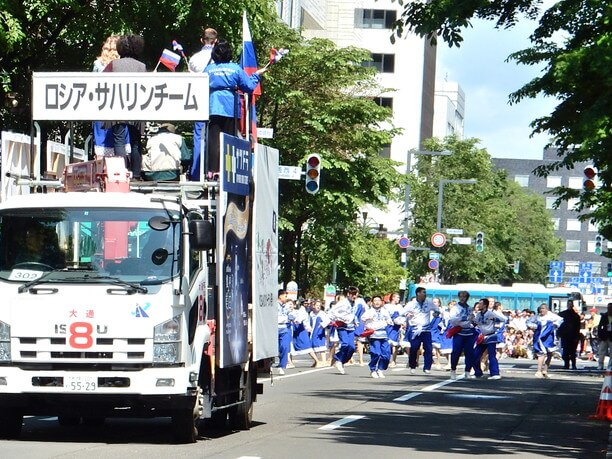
(605, 348)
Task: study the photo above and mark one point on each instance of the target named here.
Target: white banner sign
(107, 96)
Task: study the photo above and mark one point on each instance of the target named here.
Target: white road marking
(341, 422)
(492, 397)
(405, 397)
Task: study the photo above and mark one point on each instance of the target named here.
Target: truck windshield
(115, 242)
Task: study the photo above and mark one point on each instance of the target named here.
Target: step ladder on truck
(134, 299)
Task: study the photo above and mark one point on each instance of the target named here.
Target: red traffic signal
(590, 174)
(313, 173)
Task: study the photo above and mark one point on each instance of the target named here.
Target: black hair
(221, 52)
(130, 46)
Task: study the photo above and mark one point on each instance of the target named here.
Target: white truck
(123, 298)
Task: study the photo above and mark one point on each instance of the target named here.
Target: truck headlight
(166, 341)
(5, 342)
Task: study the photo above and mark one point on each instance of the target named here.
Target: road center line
(405, 397)
(341, 422)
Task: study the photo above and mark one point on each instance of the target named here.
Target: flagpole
(158, 62)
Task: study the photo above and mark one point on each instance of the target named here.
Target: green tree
(574, 42)
(515, 222)
(318, 99)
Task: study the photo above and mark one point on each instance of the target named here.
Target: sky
(487, 80)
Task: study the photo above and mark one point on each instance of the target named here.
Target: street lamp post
(407, 195)
(441, 197)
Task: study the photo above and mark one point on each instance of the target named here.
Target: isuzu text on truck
(128, 298)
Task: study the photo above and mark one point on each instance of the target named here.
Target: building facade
(581, 265)
(406, 68)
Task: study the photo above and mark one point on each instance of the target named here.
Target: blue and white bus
(516, 296)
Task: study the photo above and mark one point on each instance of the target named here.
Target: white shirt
(201, 59)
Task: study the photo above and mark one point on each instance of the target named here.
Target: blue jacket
(224, 79)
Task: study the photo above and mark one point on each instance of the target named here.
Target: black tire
(10, 425)
(68, 421)
(184, 427)
(241, 416)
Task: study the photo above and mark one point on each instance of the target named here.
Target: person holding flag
(225, 78)
(197, 64)
(202, 58)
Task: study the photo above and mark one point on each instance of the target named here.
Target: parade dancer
(544, 345)
(462, 319)
(488, 322)
(420, 314)
(378, 318)
(343, 314)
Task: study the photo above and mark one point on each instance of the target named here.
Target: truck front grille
(102, 350)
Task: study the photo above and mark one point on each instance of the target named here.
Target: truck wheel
(10, 425)
(184, 427)
(241, 416)
(68, 421)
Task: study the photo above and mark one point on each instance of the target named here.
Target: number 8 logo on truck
(80, 335)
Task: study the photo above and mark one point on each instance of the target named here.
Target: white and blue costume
(439, 327)
(488, 324)
(344, 312)
(284, 335)
(301, 332)
(318, 322)
(544, 334)
(393, 330)
(420, 317)
(462, 315)
(380, 350)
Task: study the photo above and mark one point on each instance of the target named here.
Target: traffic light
(479, 241)
(517, 266)
(609, 269)
(598, 243)
(590, 174)
(313, 173)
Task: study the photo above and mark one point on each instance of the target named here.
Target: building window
(572, 245)
(555, 222)
(553, 182)
(550, 202)
(573, 224)
(592, 227)
(384, 102)
(385, 152)
(572, 204)
(522, 180)
(575, 183)
(374, 19)
(384, 63)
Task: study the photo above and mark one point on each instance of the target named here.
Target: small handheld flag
(170, 59)
(277, 54)
(176, 46)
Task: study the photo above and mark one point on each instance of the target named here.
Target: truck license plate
(80, 383)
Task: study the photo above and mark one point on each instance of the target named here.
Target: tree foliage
(515, 222)
(318, 99)
(574, 42)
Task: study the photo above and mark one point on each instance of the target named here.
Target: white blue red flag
(277, 54)
(170, 59)
(176, 46)
(248, 61)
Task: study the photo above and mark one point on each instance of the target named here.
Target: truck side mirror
(202, 235)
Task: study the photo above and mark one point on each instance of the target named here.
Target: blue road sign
(598, 280)
(555, 276)
(585, 267)
(586, 277)
(557, 265)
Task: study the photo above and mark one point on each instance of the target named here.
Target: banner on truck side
(265, 253)
(107, 96)
(233, 206)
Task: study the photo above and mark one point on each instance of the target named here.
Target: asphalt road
(318, 413)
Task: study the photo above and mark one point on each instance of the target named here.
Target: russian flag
(248, 61)
(170, 59)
